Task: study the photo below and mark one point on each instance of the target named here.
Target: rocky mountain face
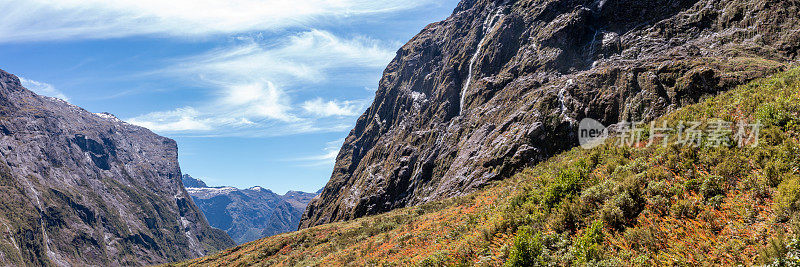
(189, 181)
(249, 214)
(501, 85)
(88, 189)
(299, 200)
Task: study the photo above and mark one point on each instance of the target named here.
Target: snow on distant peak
(208, 192)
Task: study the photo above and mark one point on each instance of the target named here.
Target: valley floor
(611, 205)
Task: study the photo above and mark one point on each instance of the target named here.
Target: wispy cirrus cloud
(43, 88)
(43, 20)
(253, 81)
(327, 157)
(321, 108)
(299, 58)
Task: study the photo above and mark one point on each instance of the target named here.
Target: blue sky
(255, 92)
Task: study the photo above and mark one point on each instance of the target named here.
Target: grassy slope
(608, 205)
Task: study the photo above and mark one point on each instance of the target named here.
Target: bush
(775, 171)
(568, 183)
(588, 247)
(693, 185)
(598, 194)
(712, 186)
(643, 239)
(626, 204)
(788, 198)
(685, 208)
(527, 249)
(434, 260)
(780, 253)
(777, 114)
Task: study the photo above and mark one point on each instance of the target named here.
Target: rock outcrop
(249, 214)
(502, 84)
(88, 189)
(189, 181)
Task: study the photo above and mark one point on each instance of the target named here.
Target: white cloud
(253, 82)
(322, 108)
(43, 88)
(257, 100)
(178, 120)
(41, 20)
(302, 57)
(327, 157)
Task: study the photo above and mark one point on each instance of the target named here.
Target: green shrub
(569, 182)
(775, 171)
(527, 249)
(623, 208)
(779, 252)
(693, 185)
(712, 186)
(589, 246)
(613, 215)
(685, 208)
(567, 217)
(788, 198)
(434, 260)
(642, 239)
(598, 194)
(779, 113)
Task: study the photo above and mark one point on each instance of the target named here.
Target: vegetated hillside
(611, 205)
(248, 214)
(78, 188)
(501, 85)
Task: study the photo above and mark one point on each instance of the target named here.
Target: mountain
(298, 199)
(675, 205)
(248, 214)
(189, 181)
(501, 85)
(79, 188)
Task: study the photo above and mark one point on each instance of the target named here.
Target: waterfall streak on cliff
(488, 27)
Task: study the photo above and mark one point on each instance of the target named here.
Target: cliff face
(249, 214)
(88, 189)
(502, 84)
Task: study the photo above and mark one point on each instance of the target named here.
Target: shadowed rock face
(88, 189)
(501, 85)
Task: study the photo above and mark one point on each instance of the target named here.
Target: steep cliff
(88, 189)
(501, 84)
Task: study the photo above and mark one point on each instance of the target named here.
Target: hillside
(611, 205)
(501, 85)
(248, 214)
(88, 189)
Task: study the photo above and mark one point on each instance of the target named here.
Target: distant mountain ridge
(188, 181)
(248, 214)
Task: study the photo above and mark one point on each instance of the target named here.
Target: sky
(255, 92)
